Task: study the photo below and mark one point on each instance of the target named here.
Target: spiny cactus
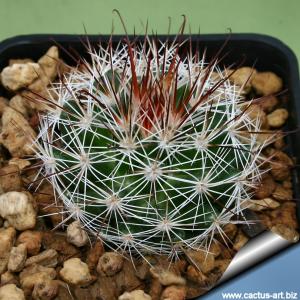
(153, 151)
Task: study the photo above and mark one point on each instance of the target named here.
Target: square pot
(264, 52)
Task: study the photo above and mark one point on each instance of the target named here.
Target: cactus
(151, 150)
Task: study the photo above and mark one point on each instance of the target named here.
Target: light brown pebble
(32, 240)
(265, 220)
(110, 263)
(94, 254)
(166, 277)
(280, 163)
(287, 184)
(18, 210)
(39, 87)
(8, 277)
(34, 274)
(202, 259)
(215, 248)
(230, 231)
(19, 75)
(48, 205)
(45, 290)
(265, 138)
(16, 135)
(7, 238)
(265, 187)
(3, 103)
(285, 214)
(155, 289)
(215, 75)
(240, 240)
(21, 105)
(142, 269)
(58, 242)
(19, 162)
(76, 235)
(261, 204)
(278, 117)
(268, 103)
(126, 278)
(288, 233)
(195, 275)
(47, 258)
(49, 63)
(64, 292)
(222, 264)
(17, 258)
(279, 142)
(173, 292)
(180, 265)
(266, 83)
(75, 272)
(255, 112)
(243, 77)
(282, 194)
(87, 293)
(11, 292)
(135, 295)
(193, 291)
(10, 179)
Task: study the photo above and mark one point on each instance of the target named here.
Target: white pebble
(76, 235)
(17, 208)
(11, 292)
(75, 272)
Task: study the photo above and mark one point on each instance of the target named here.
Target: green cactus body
(149, 160)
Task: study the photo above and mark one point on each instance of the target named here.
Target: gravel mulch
(40, 259)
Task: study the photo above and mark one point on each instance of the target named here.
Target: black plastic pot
(266, 53)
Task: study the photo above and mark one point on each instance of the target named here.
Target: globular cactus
(151, 150)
